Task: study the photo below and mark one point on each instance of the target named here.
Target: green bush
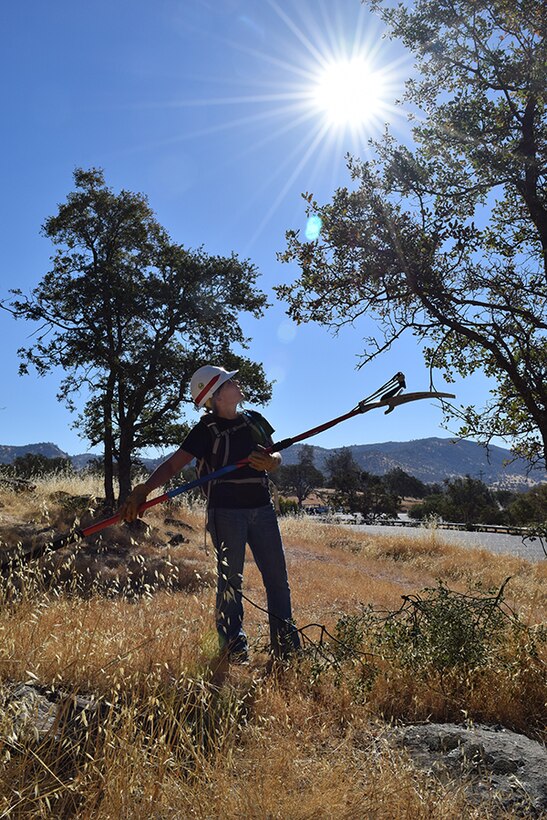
(438, 629)
(33, 464)
(464, 500)
(287, 506)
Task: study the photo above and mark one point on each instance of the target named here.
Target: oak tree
(128, 314)
(446, 238)
(302, 478)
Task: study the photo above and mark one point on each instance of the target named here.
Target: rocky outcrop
(495, 765)
(498, 769)
(30, 714)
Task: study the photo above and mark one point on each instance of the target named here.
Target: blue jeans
(231, 529)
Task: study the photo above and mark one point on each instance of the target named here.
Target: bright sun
(349, 93)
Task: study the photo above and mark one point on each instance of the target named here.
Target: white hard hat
(206, 380)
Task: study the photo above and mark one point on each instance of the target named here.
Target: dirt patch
(120, 560)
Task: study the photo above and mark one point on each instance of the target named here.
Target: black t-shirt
(233, 490)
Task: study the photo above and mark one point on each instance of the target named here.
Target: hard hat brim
(210, 389)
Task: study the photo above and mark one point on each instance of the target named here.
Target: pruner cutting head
(400, 384)
(395, 400)
(389, 396)
(386, 391)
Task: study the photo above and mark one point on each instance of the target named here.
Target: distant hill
(429, 459)
(434, 459)
(9, 453)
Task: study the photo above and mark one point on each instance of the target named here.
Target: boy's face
(229, 392)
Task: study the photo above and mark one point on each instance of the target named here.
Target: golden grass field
(126, 622)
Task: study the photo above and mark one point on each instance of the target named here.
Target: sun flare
(323, 87)
(349, 92)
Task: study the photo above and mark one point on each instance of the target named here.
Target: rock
(30, 714)
(177, 538)
(494, 763)
(19, 541)
(177, 523)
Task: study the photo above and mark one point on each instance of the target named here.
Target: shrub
(287, 506)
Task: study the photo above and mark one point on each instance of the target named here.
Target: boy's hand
(130, 508)
(261, 460)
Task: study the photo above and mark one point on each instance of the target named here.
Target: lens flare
(313, 228)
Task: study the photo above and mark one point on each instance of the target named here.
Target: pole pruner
(390, 396)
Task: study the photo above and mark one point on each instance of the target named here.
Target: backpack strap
(261, 434)
(261, 430)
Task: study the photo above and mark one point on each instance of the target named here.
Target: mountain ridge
(432, 460)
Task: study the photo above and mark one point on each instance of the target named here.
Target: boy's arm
(161, 475)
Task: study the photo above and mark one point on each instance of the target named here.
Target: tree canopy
(398, 482)
(299, 479)
(129, 314)
(32, 465)
(344, 476)
(447, 238)
(529, 508)
(356, 490)
(464, 500)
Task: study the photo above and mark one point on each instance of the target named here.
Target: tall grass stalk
(146, 720)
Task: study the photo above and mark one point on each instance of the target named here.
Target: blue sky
(212, 109)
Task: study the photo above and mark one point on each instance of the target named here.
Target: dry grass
(170, 732)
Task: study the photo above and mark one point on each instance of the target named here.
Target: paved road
(495, 542)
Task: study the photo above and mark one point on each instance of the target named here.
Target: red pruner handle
(116, 519)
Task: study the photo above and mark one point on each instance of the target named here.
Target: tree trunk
(124, 464)
(543, 431)
(108, 472)
(108, 450)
